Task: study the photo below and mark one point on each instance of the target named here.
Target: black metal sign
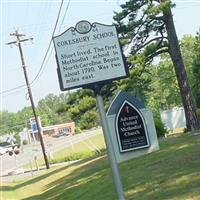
(131, 128)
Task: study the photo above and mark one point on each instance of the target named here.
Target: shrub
(17, 139)
(76, 156)
(77, 130)
(25, 142)
(198, 113)
(89, 120)
(160, 127)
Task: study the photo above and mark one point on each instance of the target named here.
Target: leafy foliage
(146, 27)
(160, 127)
(196, 70)
(17, 139)
(164, 92)
(190, 51)
(47, 109)
(141, 25)
(7, 120)
(89, 120)
(81, 108)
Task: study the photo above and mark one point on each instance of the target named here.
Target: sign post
(110, 149)
(90, 56)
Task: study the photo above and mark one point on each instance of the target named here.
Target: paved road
(9, 163)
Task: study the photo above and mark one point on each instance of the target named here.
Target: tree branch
(154, 39)
(149, 58)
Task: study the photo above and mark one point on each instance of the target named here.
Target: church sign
(131, 128)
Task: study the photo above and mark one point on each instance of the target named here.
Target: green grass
(87, 148)
(94, 143)
(171, 173)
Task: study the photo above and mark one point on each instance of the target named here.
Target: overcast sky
(37, 19)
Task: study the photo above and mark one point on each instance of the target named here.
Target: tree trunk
(192, 122)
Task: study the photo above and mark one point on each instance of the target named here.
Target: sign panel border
(92, 84)
(145, 128)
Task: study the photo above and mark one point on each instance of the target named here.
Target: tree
(89, 119)
(80, 106)
(190, 51)
(196, 69)
(9, 123)
(47, 108)
(24, 116)
(138, 83)
(164, 92)
(147, 26)
(187, 44)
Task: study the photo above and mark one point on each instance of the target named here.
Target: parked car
(2, 151)
(64, 133)
(6, 147)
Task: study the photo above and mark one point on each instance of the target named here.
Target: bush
(25, 142)
(160, 127)
(198, 113)
(76, 156)
(17, 139)
(77, 130)
(88, 120)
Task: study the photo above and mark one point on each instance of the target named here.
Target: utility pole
(18, 43)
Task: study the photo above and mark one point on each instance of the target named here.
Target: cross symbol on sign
(127, 109)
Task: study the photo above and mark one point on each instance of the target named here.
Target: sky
(36, 19)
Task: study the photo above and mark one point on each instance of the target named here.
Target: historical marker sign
(87, 54)
(131, 128)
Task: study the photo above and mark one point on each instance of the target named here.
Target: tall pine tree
(147, 27)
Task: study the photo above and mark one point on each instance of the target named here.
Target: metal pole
(18, 42)
(31, 168)
(110, 149)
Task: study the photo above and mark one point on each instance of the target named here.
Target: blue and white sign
(33, 123)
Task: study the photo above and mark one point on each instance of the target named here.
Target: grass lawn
(79, 150)
(171, 173)
(91, 144)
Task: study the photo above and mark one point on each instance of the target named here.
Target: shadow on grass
(82, 183)
(83, 180)
(171, 173)
(34, 180)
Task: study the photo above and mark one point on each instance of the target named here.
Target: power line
(64, 16)
(186, 1)
(45, 56)
(12, 89)
(43, 67)
(49, 46)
